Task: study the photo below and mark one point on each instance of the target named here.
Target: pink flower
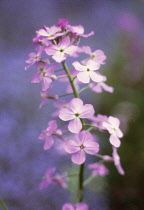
(74, 112)
(46, 76)
(85, 143)
(78, 206)
(59, 179)
(117, 163)
(50, 33)
(98, 55)
(87, 71)
(59, 105)
(112, 125)
(47, 134)
(98, 87)
(34, 57)
(98, 121)
(59, 52)
(63, 23)
(98, 169)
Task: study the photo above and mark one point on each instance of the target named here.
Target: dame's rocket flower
(87, 71)
(85, 143)
(117, 163)
(49, 178)
(59, 52)
(46, 76)
(112, 125)
(74, 111)
(47, 135)
(79, 31)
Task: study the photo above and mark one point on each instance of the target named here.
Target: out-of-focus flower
(63, 23)
(98, 169)
(49, 178)
(98, 121)
(112, 126)
(79, 31)
(78, 206)
(47, 135)
(87, 71)
(85, 143)
(46, 97)
(117, 163)
(74, 111)
(46, 76)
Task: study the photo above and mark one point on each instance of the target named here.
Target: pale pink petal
(70, 50)
(95, 76)
(64, 43)
(46, 81)
(114, 140)
(78, 157)
(78, 66)
(87, 111)
(108, 127)
(87, 50)
(75, 125)
(119, 133)
(87, 35)
(36, 78)
(66, 114)
(84, 137)
(42, 32)
(96, 87)
(72, 146)
(59, 56)
(83, 77)
(50, 50)
(114, 121)
(92, 148)
(48, 143)
(93, 65)
(117, 161)
(76, 105)
(107, 88)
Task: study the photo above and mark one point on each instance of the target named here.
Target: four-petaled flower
(59, 52)
(85, 143)
(87, 71)
(112, 125)
(74, 111)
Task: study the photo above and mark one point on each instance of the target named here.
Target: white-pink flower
(98, 169)
(74, 111)
(117, 163)
(59, 52)
(87, 71)
(112, 126)
(84, 144)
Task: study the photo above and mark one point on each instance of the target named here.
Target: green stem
(76, 94)
(3, 205)
(88, 180)
(65, 95)
(81, 169)
(84, 89)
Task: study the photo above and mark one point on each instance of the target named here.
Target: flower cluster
(54, 45)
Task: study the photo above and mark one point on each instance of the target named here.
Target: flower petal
(87, 111)
(92, 148)
(78, 66)
(83, 77)
(76, 105)
(114, 140)
(48, 143)
(84, 137)
(66, 114)
(114, 121)
(36, 78)
(78, 157)
(75, 125)
(46, 81)
(71, 146)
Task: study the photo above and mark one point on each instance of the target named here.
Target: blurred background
(119, 32)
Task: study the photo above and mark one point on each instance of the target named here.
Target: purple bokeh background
(22, 159)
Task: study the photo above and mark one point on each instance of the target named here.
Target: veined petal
(83, 77)
(64, 43)
(91, 147)
(59, 56)
(75, 125)
(92, 65)
(70, 50)
(78, 157)
(72, 146)
(66, 114)
(114, 140)
(84, 137)
(87, 111)
(95, 77)
(76, 105)
(48, 143)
